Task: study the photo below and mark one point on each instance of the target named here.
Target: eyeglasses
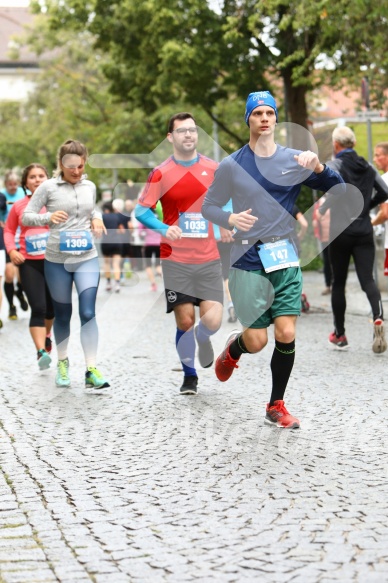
(192, 130)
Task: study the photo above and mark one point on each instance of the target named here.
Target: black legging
(36, 290)
(362, 249)
(326, 266)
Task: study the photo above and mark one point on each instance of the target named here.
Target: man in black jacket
(356, 240)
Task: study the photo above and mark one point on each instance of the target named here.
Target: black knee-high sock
(9, 291)
(237, 348)
(19, 287)
(281, 366)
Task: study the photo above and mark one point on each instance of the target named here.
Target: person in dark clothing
(111, 245)
(356, 240)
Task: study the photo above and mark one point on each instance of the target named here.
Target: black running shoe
(189, 386)
(205, 351)
(12, 315)
(23, 302)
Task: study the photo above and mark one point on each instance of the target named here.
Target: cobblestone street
(141, 484)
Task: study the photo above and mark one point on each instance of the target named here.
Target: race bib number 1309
(75, 241)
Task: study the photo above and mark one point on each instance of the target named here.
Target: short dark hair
(178, 116)
(108, 206)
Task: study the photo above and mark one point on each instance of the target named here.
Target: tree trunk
(296, 113)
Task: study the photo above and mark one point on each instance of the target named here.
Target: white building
(16, 77)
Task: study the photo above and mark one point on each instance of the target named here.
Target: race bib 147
(278, 255)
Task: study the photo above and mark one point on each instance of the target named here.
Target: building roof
(12, 21)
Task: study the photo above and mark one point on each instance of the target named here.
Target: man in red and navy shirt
(189, 255)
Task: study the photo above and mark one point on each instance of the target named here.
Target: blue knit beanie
(259, 98)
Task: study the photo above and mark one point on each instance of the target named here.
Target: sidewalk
(356, 300)
(144, 485)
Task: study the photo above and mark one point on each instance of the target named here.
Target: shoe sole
(188, 392)
(223, 380)
(380, 351)
(95, 391)
(106, 385)
(62, 386)
(379, 343)
(277, 424)
(44, 362)
(208, 364)
(336, 347)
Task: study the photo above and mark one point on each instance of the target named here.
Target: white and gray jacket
(77, 200)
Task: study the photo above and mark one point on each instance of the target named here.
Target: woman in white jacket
(71, 256)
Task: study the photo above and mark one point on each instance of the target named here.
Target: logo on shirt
(204, 173)
(285, 171)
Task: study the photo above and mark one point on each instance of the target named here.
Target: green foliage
(158, 52)
(379, 134)
(118, 69)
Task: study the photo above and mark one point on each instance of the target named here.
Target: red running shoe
(339, 342)
(305, 306)
(225, 364)
(279, 416)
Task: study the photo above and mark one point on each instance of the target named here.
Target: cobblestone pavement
(141, 484)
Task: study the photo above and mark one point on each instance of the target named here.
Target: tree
(163, 50)
(71, 100)
(312, 43)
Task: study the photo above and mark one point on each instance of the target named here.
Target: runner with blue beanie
(257, 99)
(264, 179)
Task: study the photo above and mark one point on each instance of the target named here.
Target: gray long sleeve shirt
(77, 200)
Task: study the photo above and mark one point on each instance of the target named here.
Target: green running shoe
(94, 379)
(62, 379)
(44, 359)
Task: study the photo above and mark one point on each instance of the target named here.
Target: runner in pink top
(29, 258)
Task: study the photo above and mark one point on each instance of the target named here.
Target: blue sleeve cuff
(150, 220)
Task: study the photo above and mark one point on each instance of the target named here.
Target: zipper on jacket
(76, 198)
